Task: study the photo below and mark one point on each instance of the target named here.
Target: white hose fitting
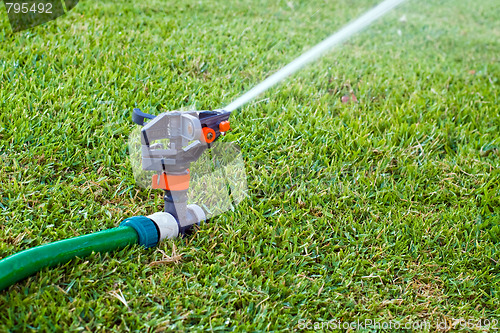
(198, 212)
(167, 225)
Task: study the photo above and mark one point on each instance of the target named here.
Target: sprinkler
(183, 138)
(188, 136)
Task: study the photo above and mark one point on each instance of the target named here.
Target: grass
(384, 209)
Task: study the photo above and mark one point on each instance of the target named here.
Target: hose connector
(169, 227)
(166, 223)
(145, 228)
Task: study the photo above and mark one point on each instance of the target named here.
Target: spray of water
(317, 51)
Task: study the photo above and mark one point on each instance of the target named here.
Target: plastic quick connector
(145, 228)
(167, 225)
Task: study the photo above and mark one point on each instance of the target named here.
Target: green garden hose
(23, 264)
(143, 230)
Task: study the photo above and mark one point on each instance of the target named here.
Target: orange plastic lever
(171, 182)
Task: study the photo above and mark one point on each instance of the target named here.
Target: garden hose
(146, 231)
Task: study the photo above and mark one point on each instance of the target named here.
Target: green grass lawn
(384, 209)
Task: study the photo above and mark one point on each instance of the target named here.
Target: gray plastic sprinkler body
(189, 134)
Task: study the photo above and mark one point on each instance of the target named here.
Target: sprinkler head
(184, 137)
